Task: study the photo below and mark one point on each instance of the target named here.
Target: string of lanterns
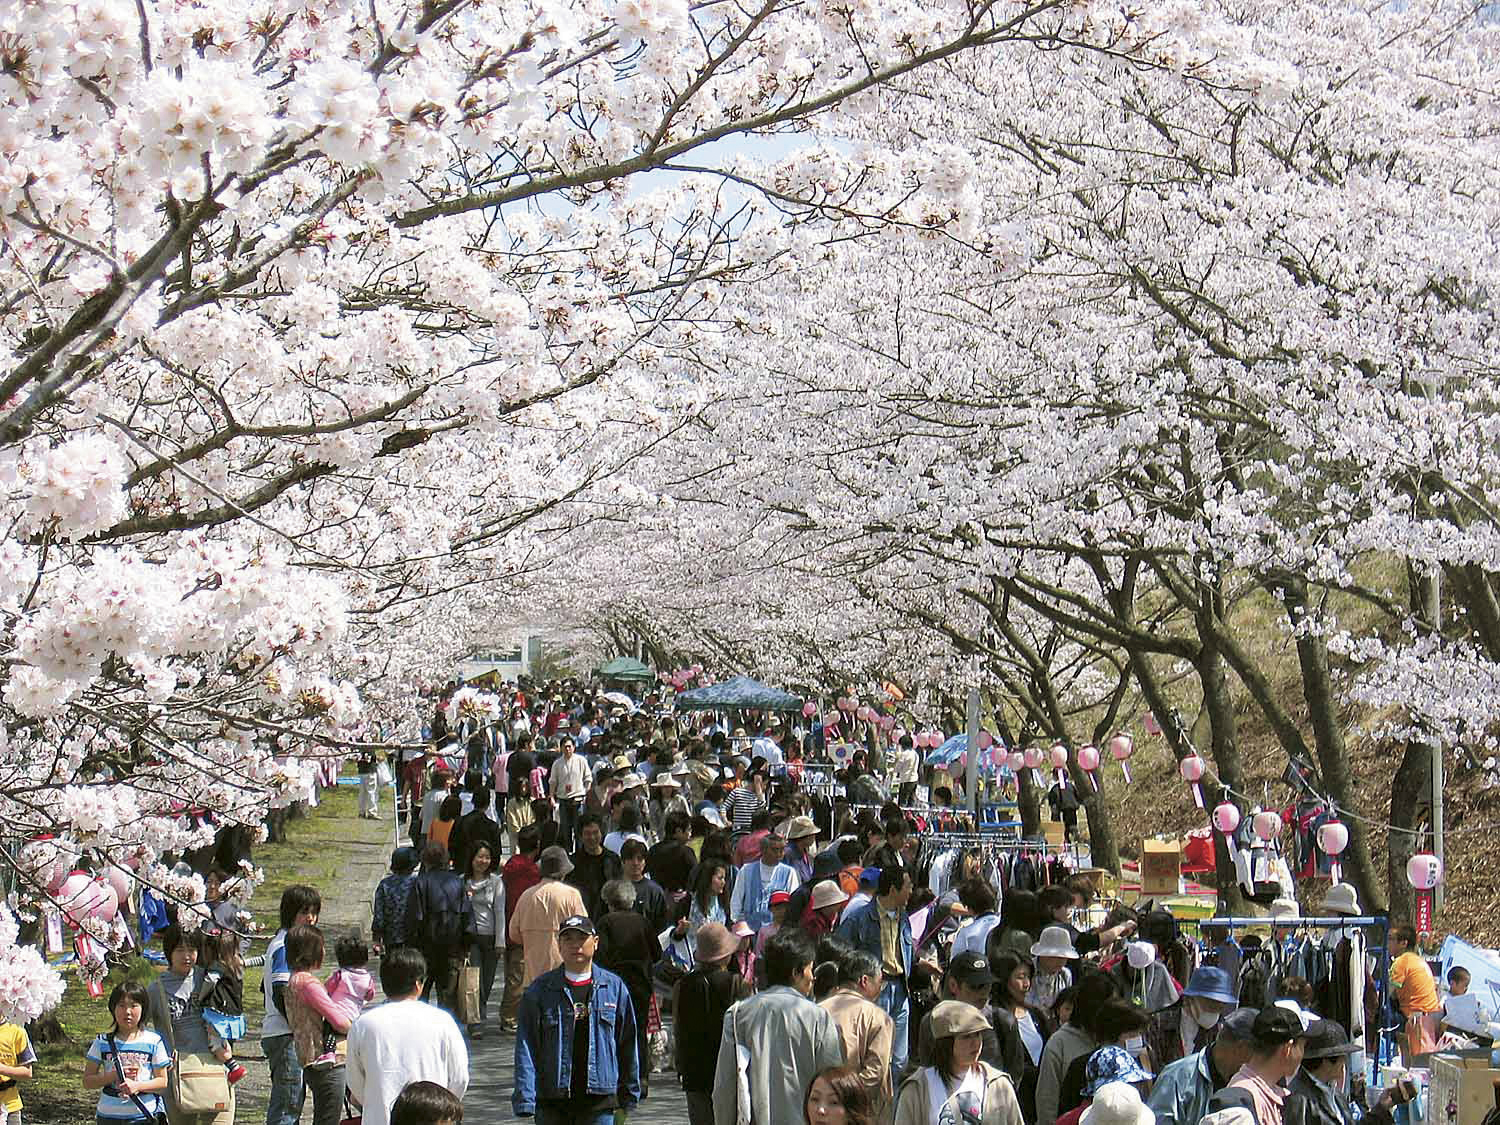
(1424, 870)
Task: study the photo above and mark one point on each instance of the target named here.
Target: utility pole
(1437, 756)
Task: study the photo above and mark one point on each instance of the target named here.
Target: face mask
(1207, 1018)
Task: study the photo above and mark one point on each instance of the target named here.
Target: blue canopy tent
(737, 692)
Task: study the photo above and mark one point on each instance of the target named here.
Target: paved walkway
(360, 851)
(491, 1078)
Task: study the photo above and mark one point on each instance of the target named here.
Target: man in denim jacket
(576, 1057)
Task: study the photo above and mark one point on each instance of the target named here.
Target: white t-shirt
(960, 1105)
(400, 1042)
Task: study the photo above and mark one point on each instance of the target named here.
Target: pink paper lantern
(1226, 817)
(888, 724)
(1088, 758)
(1031, 758)
(1424, 871)
(1148, 720)
(986, 740)
(1016, 761)
(1192, 768)
(1333, 837)
(119, 882)
(81, 896)
(106, 904)
(1121, 746)
(1059, 756)
(809, 710)
(1267, 825)
(898, 733)
(831, 719)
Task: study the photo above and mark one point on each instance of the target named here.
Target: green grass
(55, 1095)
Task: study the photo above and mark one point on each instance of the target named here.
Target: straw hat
(799, 828)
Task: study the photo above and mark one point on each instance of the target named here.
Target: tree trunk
(1328, 738)
(1224, 744)
(1411, 787)
(1028, 800)
(1104, 849)
(1411, 790)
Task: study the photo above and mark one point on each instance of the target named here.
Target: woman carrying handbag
(198, 1089)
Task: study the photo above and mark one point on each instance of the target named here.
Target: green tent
(626, 668)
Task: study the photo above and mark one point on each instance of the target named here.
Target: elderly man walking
(864, 1028)
(541, 910)
(785, 1039)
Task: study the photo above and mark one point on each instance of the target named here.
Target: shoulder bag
(197, 1083)
(741, 1071)
(157, 1118)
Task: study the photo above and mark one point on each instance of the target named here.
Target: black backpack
(440, 926)
(1255, 977)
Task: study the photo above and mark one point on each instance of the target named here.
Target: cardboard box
(1461, 1090)
(1055, 833)
(1161, 867)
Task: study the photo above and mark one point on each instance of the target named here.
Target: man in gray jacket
(785, 1039)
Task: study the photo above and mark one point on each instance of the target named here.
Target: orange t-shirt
(1416, 991)
(440, 831)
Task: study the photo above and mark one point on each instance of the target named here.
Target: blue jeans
(895, 1003)
(287, 1089)
(555, 1114)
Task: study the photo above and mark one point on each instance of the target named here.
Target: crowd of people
(646, 896)
(655, 866)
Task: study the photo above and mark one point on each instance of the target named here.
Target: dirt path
(344, 857)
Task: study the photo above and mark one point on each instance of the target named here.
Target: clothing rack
(1379, 950)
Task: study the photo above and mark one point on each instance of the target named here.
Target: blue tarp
(948, 751)
(738, 691)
